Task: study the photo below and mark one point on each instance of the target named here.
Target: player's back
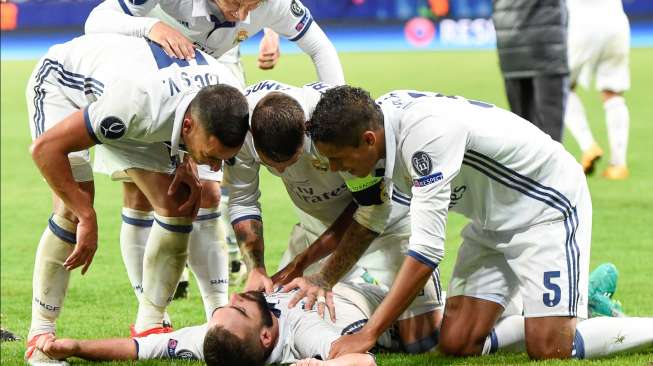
(500, 162)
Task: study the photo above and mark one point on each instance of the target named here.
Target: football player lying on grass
(252, 329)
(258, 329)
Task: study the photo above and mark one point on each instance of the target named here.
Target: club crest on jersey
(422, 163)
(320, 165)
(241, 36)
(112, 128)
(296, 9)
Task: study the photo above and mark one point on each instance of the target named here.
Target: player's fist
(268, 50)
(172, 41)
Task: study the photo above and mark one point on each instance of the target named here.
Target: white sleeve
(110, 118)
(241, 178)
(324, 55)
(433, 149)
(122, 17)
(185, 343)
(294, 21)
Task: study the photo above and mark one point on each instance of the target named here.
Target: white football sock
(603, 336)
(165, 256)
(134, 232)
(209, 259)
(618, 120)
(576, 122)
(232, 243)
(50, 280)
(508, 335)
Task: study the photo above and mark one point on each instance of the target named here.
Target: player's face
(280, 166)
(237, 10)
(207, 149)
(358, 161)
(245, 311)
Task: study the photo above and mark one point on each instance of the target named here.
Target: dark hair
(342, 115)
(222, 110)
(223, 348)
(278, 125)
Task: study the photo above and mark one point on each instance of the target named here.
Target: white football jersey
(313, 189)
(302, 334)
(136, 92)
(450, 153)
(203, 22)
(602, 12)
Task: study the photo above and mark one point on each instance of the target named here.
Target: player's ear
(266, 337)
(187, 125)
(368, 138)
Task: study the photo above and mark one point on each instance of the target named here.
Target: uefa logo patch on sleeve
(112, 128)
(422, 163)
(296, 9)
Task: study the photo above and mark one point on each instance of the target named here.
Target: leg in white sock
(507, 335)
(50, 280)
(165, 256)
(576, 122)
(604, 336)
(618, 121)
(134, 232)
(209, 260)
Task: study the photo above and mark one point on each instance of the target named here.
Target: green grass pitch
(101, 303)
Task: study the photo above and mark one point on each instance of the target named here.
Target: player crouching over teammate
(144, 126)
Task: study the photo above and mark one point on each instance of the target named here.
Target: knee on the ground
(457, 343)
(542, 344)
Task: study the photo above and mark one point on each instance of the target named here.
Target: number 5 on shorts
(546, 297)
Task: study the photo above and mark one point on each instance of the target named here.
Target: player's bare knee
(134, 198)
(551, 340)
(60, 209)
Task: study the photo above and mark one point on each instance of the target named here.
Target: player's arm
(124, 17)
(242, 181)
(117, 349)
(369, 220)
(295, 22)
(434, 151)
(324, 245)
(50, 154)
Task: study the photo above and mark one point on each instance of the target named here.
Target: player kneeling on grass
(526, 197)
(144, 116)
(253, 329)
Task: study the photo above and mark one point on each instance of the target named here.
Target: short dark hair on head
(278, 126)
(342, 115)
(222, 110)
(223, 348)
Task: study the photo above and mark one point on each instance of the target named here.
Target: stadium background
(443, 45)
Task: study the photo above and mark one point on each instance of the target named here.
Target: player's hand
(310, 362)
(172, 41)
(269, 53)
(86, 245)
(360, 342)
(57, 349)
(291, 271)
(315, 289)
(186, 173)
(258, 280)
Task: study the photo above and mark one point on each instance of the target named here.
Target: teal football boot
(602, 286)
